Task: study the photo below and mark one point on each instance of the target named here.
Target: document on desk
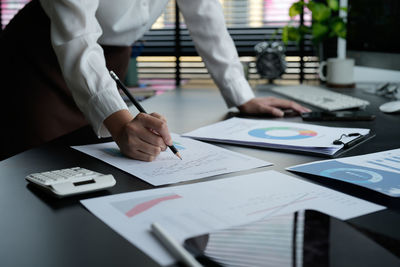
(277, 134)
(376, 171)
(200, 160)
(194, 209)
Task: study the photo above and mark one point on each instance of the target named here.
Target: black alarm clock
(271, 63)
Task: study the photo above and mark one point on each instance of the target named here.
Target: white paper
(376, 171)
(277, 134)
(387, 160)
(199, 160)
(194, 209)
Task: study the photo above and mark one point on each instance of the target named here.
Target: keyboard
(320, 97)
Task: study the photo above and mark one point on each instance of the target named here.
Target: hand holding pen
(142, 137)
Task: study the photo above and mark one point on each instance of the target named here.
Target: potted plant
(326, 22)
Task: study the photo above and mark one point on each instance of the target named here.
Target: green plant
(326, 22)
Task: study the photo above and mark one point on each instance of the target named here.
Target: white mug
(340, 72)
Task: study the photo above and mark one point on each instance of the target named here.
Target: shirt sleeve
(206, 24)
(74, 34)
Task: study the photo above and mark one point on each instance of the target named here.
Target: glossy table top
(39, 230)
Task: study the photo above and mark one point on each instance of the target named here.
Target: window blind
(8, 8)
(248, 22)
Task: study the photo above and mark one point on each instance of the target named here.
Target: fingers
(144, 137)
(154, 114)
(159, 116)
(264, 108)
(272, 106)
(157, 124)
(133, 145)
(150, 130)
(142, 151)
(288, 104)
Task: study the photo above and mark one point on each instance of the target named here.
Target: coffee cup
(339, 72)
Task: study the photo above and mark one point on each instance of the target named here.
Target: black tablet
(304, 238)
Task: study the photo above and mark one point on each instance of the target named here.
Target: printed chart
(112, 151)
(199, 160)
(115, 152)
(178, 146)
(377, 171)
(199, 208)
(282, 133)
(387, 162)
(133, 207)
(277, 135)
(353, 174)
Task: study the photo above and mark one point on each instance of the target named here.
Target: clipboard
(284, 136)
(352, 144)
(362, 139)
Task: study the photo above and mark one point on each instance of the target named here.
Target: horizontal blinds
(240, 14)
(9, 8)
(248, 22)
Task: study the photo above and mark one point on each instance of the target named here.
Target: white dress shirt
(79, 26)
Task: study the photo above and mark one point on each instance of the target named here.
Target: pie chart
(282, 133)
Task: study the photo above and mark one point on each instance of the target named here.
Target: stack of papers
(195, 209)
(278, 135)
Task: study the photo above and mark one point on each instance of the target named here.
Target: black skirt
(36, 104)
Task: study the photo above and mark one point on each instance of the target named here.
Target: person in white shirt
(80, 32)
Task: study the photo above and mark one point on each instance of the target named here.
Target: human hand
(271, 105)
(143, 137)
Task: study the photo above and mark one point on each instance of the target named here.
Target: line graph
(274, 209)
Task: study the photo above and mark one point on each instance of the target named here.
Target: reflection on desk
(304, 238)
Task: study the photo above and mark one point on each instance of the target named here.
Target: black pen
(137, 105)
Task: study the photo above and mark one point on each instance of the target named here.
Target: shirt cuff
(237, 92)
(100, 107)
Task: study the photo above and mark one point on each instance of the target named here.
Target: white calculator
(71, 181)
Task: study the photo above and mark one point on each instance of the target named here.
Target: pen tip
(178, 155)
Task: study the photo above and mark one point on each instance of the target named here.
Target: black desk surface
(39, 230)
